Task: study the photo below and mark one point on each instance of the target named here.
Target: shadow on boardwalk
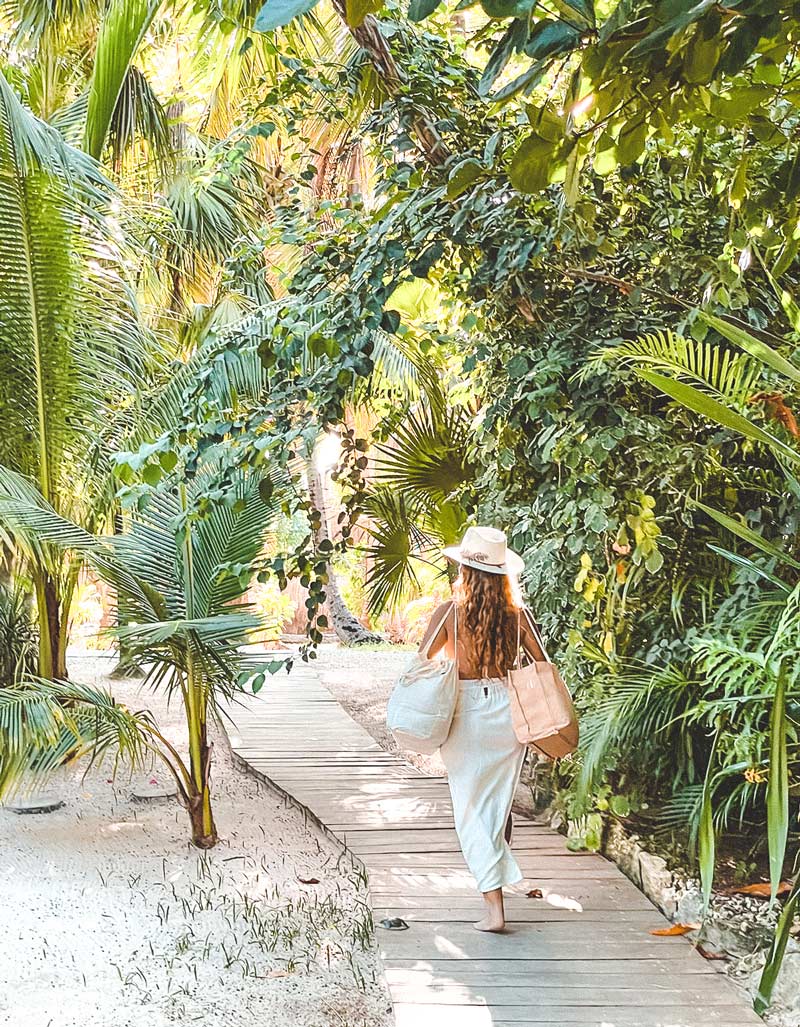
(582, 954)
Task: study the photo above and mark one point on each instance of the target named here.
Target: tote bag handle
(451, 606)
(534, 631)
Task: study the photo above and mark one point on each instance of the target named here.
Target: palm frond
(427, 454)
(70, 343)
(713, 367)
(42, 723)
(138, 115)
(123, 27)
(398, 545)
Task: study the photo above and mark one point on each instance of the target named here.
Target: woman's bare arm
(441, 634)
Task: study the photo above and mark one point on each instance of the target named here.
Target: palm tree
(71, 349)
(180, 581)
(417, 501)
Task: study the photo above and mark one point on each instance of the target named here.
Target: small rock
(656, 879)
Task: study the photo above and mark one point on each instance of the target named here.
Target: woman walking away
(482, 630)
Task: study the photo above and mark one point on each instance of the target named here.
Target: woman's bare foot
(495, 920)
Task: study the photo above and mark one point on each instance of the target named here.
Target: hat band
(479, 558)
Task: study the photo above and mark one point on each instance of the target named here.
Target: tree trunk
(369, 37)
(346, 625)
(201, 817)
(198, 803)
(52, 629)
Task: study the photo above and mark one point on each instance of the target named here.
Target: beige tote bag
(541, 706)
(423, 700)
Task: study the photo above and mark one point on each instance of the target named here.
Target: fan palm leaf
(71, 350)
(427, 454)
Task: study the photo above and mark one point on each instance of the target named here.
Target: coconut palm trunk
(347, 626)
(198, 797)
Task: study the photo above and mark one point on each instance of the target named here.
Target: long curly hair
(488, 608)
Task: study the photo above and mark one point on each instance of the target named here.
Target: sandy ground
(111, 918)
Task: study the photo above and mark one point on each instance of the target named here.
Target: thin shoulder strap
(535, 631)
(439, 626)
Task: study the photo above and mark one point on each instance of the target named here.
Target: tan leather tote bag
(541, 706)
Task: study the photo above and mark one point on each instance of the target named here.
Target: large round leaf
(277, 13)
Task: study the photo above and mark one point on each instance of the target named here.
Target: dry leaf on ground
(761, 890)
(308, 880)
(673, 929)
(710, 955)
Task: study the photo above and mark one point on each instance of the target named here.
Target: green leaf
(787, 300)
(768, 72)
(390, 321)
(513, 38)
(122, 30)
(605, 155)
(740, 336)
(702, 404)
(277, 13)
(418, 10)
(356, 10)
(548, 38)
(701, 58)
(745, 533)
(738, 187)
(584, 8)
(660, 37)
(777, 786)
(777, 949)
(572, 176)
(526, 81)
(462, 177)
(508, 8)
(706, 839)
(743, 561)
(632, 139)
(529, 171)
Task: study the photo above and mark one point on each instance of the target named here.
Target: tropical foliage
(530, 264)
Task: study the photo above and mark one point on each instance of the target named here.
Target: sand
(110, 918)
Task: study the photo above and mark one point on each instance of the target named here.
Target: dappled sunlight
(122, 825)
(561, 901)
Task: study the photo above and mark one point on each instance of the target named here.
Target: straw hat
(485, 549)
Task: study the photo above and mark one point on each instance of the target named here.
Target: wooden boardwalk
(580, 955)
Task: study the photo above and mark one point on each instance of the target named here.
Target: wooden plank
(562, 899)
(517, 914)
(531, 858)
(418, 1014)
(690, 964)
(708, 991)
(569, 974)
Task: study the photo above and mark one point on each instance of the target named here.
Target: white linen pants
(484, 760)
